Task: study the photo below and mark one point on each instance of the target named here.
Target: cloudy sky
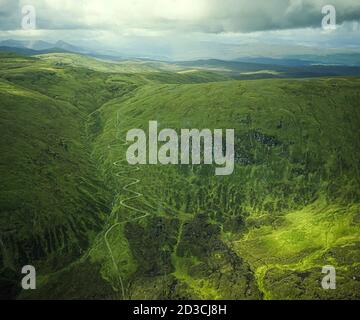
(183, 29)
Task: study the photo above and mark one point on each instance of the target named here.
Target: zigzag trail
(124, 203)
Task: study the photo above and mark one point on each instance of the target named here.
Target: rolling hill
(291, 207)
(96, 227)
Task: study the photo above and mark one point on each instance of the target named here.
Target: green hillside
(76, 60)
(96, 227)
(292, 205)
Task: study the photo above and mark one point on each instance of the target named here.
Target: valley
(96, 227)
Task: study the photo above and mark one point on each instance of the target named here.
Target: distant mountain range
(30, 47)
(340, 59)
(30, 52)
(40, 45)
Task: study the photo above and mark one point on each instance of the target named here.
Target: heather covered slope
(96, 227)
(53, 200)
(291, 207)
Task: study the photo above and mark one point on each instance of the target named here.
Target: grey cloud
(258, 15)
(212, 16)
(10, 16)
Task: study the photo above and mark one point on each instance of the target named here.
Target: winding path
(124, 203)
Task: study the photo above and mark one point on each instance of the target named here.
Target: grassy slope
(145, 70)
(296, 184)
(53, 201)
(291, 206)
(52, 186)
(76, 60)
